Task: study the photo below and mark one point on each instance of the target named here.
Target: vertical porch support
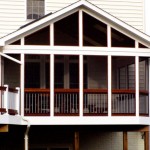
(76, 141)
(125, 140)
(18, 101)
(80, 65)
(137, 84)
(6, 99)
(109, 85)
(52, 85)
(146, 140)
(51, 72)
(22, 83)
(81, 85)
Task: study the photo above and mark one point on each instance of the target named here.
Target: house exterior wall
(13, 12)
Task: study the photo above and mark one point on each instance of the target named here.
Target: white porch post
(137, 84)
(81, 85)
(52, 72)
(81, 64)
(18, 101)
(52, 84)
(137, 81)
(6, 99)
(22, 83)
(109, 84)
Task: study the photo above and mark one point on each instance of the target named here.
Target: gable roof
(75, 6)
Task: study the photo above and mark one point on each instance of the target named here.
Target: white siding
(13, 12)
(130, 11)
(135, 141)
(12, 15)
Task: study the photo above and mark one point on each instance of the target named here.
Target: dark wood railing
(95, 102)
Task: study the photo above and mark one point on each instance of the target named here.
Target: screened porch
(67, 96)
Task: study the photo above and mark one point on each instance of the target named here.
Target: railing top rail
(89, 91)
(37, 90)
(13, 90)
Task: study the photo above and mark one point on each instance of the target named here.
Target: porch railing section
(66, 102)
(143, 103)
(37, 102)
(10, 100)
(123, 102)
(95, 102)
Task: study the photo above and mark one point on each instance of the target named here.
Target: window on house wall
(35, 9)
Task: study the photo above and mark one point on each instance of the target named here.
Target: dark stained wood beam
(3, 128)
(125, 140)
(146, 140)
(76, 141)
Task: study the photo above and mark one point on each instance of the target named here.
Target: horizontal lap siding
(12, 15)
(129, 11)
(12, 12)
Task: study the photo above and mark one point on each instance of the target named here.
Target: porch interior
(66, 85)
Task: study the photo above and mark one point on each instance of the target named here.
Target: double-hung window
(35, 9)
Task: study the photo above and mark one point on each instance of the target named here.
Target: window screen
(35, 9)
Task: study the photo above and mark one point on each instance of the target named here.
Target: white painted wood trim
(22, 41)
(108, 36)
(52, 85)
(109, 84)
(10, 58)
(22, 82)
(81, 85)
(80, 28)
(52, 34)
(137, 84)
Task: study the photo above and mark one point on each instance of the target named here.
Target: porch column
(52, 72)
(22, 83)
(125, 140)
(109, 85)
(146, 140)
(76, 141)
(52, 84)
(81, 85)
(80, 64)
(137, 84)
